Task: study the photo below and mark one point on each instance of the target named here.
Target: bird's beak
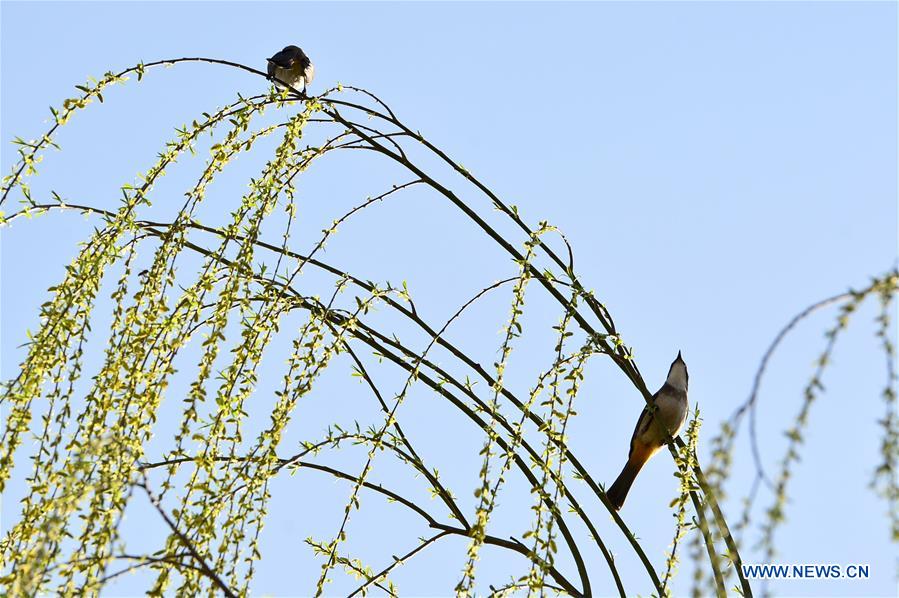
(679, 358)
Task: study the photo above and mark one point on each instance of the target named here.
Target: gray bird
(292, 66)
(658, 422)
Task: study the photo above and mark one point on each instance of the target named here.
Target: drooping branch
(145, 342)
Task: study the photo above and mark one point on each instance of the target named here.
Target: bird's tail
(618, 491)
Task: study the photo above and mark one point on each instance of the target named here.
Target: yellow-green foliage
(211, 487)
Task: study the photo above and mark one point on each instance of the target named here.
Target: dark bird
(292, 66)
(659, 422)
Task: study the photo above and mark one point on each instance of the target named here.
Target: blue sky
(716, 167)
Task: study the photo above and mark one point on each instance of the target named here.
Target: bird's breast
(292, 76)
(671, 410)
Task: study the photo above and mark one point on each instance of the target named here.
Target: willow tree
(211, 488)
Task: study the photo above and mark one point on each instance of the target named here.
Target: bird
(659, 422)
(292, 66)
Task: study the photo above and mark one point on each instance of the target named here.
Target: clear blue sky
(716, 167)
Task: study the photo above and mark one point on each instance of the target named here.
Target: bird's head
(677, 374)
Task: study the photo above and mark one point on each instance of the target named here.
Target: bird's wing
(643, 422)
(284, 59)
